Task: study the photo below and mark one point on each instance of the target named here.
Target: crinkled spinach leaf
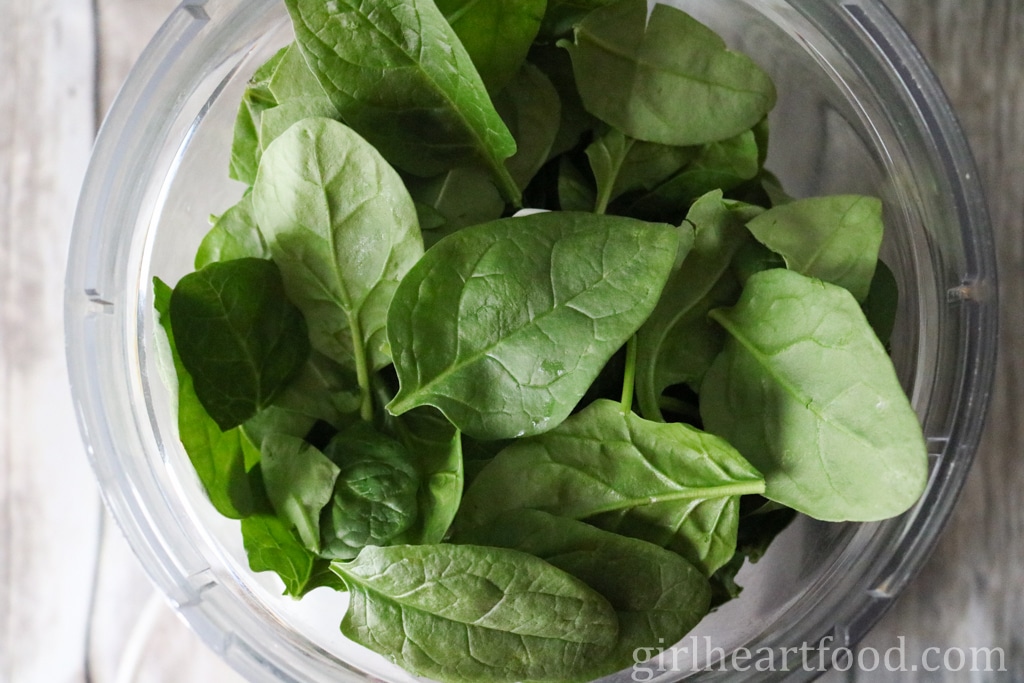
(805, 390)
(503, 326)
(657, 595)
(515, 618)
(375, 498)
(669, 484)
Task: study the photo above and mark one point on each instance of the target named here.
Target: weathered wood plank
(49, 508)
(969, 594)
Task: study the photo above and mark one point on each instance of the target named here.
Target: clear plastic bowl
(859, 111)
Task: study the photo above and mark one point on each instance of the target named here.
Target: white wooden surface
(74, 606)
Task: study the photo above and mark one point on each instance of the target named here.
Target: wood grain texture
(971, 592)
(49, 508)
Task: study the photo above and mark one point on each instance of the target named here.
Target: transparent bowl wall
(858, 112)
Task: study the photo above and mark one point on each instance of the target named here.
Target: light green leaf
(300, 482)
(635, 72)
(343, 229)
(271, 545)
(398, 74)
(835, 238)
(234, 235)
(504, 325)
(805, 390)
(669, 484)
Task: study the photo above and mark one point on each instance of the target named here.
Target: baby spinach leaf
(398, 74)
(531, 108)
(575, 121)
(463, 196)
(435, 450)
(835, 239)
(503, 326)
(753, 257)
(517, 618)
(238, 335)
(805, 390)
(222, 459)
(271, 545)
(282, 92)
(497, 34)
(343, 229)
(634, 70)
(720, 166)
(657, 595)
(669, 484)
(575, 190)
(375, 497)
(234, 235)
(300, 482)
(323, 390)
(678, 343)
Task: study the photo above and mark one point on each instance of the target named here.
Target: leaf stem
(362, 371)
(507, 185)
(629, 376)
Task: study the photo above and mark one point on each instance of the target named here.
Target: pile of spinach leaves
(407, 391)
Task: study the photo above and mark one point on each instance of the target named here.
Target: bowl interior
(850, 119)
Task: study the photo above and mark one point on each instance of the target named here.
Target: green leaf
(882, 302)
(300, 482)
(497, 34)
(634, 72)
(343, 229)
(461, 197)
(435, 448)
(531, 108)
(835, 238)
(563, 15)
(575, 121)
(805, 390)
(504, 325)
(677, 343)
(721, 166)
(516, 617)
(669, 484)
(239, 337)
(221, 459)
(657, 595)
(271, 545)
(375, 498)
(234, 235)
(575, 190)
(398, 74)
(282, 92)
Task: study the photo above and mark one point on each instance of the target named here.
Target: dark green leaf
(634, 70)
(399, 75)
(835, 239)
(563, 15)
(531, 108)
(669, 484)
(239, 337)
(658, 596)
(805, 390)
(375, 498)
(882, 302)
(678, 343)
(463, 196)
(575, 191)
(497, 34)
(504, 325)
(221, 459)
(516, 618)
